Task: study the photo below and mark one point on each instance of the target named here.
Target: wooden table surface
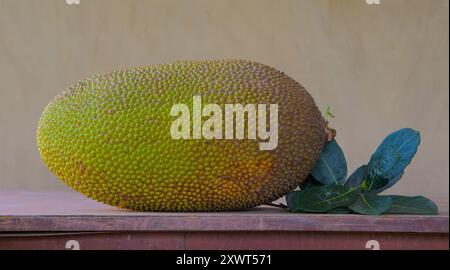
(41, 219)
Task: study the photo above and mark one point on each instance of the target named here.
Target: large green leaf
(416, 205)
(331, 168)
(357, 177)
(388, 162)
(380, 185)
(291, 199)
(374, 182)
(371, 204)
(309, 182)
(322, 199)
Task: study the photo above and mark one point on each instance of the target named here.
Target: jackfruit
(109, 137)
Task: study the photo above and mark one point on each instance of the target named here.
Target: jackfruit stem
(330, 132)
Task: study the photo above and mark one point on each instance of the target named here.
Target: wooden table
(68, 220)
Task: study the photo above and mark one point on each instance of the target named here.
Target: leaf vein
(329, 169)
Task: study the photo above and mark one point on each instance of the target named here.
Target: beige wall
(380, 67)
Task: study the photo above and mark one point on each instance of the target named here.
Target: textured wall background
(380, 67)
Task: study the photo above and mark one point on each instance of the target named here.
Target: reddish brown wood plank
(313, 240)
(70, 211)
(345, 223)
(227, 240)
(97, 241)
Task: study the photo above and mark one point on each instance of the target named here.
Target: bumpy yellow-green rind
(108, 138)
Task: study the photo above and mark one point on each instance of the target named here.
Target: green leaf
(328, 113)
(291, 201)
(357, 177)
(390, 159)
(374, 182)
(309, 182)
(416, 205)
(371, 204)
(331, 168)
(384, 184)
(322, 199)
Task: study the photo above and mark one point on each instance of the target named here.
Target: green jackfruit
(109, 137)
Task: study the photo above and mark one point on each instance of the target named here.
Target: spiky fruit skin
(108, 137)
